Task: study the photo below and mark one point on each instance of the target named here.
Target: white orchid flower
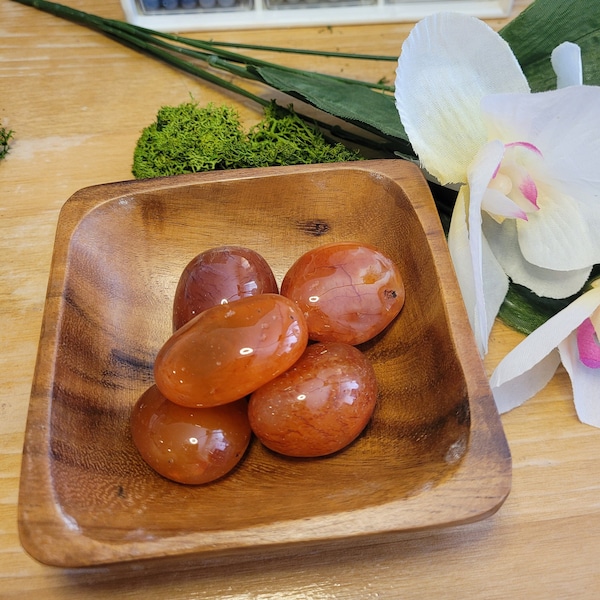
(529, 164)
(570, 336)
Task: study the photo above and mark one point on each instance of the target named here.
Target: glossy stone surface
(189, 445)
(318, 406)
(348, 292)
(220, 275)
(229, 350)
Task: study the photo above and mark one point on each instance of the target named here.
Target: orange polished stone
(220, 275)
(189, 445)
(317, 407)
(348, 292)
(229, 350)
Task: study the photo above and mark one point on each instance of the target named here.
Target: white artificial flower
(529, 163)
(570, 336)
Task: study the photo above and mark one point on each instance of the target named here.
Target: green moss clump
(5, 136)
(283, 138)
(190, 139)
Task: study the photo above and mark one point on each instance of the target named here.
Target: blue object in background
(150, 4)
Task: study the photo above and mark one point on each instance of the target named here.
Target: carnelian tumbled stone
(220, 275)
(348, 291)
(189, 445)
(319, 405)
(229, 350)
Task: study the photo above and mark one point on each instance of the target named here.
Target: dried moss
(5, 137)
(190, 139)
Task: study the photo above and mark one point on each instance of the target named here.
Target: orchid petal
(498, 204)
(528, 189)
(504, 242)
(584, 381)
(526, 384)
(563, 124)
(524, 370)
(440, 82)
(479, 174)
(566, 62)
(559, 236)
(587, 343)
(495, 282)
(458, 244)
(514, 178)
(526, 146)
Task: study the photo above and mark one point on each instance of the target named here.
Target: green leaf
(523, 311)
(545, 24)
(341, 99)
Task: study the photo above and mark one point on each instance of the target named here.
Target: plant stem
(330, 54)
(153, 43)
(121, 29)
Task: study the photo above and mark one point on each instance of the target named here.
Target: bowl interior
(124, 260)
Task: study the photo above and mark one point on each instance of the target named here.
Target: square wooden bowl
(433, 455)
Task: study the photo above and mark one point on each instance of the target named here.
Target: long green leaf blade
(353, 103)
(545, 24)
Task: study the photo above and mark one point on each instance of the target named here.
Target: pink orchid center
(588, 345)
(513, 179)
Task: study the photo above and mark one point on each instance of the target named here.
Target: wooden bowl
(434, 454)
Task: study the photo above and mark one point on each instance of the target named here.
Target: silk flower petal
(566, 62)
(479, 174)
(560, 236)
(584, 381)
(448, 63)
(550, 283)
(563, 124)
(482, 280)
(529, 366)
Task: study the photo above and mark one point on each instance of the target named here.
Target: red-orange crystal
(229, 350)
(318, 406)
(348, 292)
(220, 275)
(189, 445)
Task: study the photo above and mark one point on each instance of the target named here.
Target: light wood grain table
(77, 102)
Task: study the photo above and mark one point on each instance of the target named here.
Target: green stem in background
(153, 43)
(141, 42)
(279, 49)
(240, 58)
(127, 31)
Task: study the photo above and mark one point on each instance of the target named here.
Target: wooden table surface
(77, 102)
